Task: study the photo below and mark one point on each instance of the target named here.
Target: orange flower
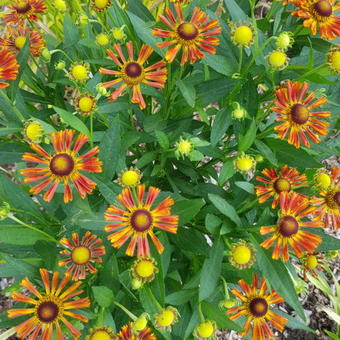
(319, 14)
(193, 36)
(287, 232)
(287, 180)
(255, 305)
(132, 73)
(8, 67)
(16, 38)
(63, 166)
(49, 308)
(328, 205)
(127, 333)
(25, 9)
(138, 220)
(293, 109)
(81, 254)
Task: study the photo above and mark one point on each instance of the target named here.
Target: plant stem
(313, 70)
(131, 315)
(12, 217)
(202, 319)
(7, 334)
(240, 61)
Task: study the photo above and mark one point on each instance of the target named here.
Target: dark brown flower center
(332, 199)
(323, 8)
(288, 226)
(187, 31)
(62, 164)
(299, 114)
(47, 311)
(23, 7)
(258, 307)
(133, 70)
(141, 220)
(281, 184)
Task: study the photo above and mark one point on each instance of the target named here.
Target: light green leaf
(103, 295)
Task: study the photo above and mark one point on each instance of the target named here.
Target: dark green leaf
(246, 141)
(225, 208)
(220, 125)
(103, 295)
(187, 209)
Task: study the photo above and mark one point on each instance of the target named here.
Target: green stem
(100, 320)
(240, 61)
(38, 67)
(257, 53)
(61, 51)
(7, 334)
(91, 129)
(202, 318)
(225, 286)
(12, 217)
(131, 315)
(9, 103)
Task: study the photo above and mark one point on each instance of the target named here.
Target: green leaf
(227, 171)
(266, 152)
(212, 223)
(103, 295)
(180, 297)
(225, 208)
(220, 64)
(12, 152)
(291, 156)
(246, 186)
(235, 11)
(211, 270)
(328, 242)
(12, 267)
(9, 234)
(12, 193)
(110, 149)
(162, 139)
(246, 141)
(277, 274)
(220, 125)
(187, 209)
(293, 322)
(188, 91)
(9, 131)
(214, 313)
(72, 120)
(48, 253)
(146, 159)
(144, 32)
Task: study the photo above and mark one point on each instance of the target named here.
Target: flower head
(9, 67)
(22, 10)
(49, 308)
(294, 110)
(141, 322)
(333, 58)
(60, 5)
(165, 319)
(100, 5)
(79, 72)
(327, 207)
(288, 231)
(284, 40)
(102, 39)
(80, 254)
(275, 183)
(191, 36)
(130, 177)
(127, 333)
(144, 269)
(242, 34)
(312, 263)
(33, 131)
(255, 306)
(242, 255)
(101, 333)
(319, 14)
(322, 179)
(138, 220)
(239, 112)
(277, 60)
(118, 33)
(205, 330)
(132, 73)
(244, 163)
(184, 147)
(85, 104)
(62, 166)
(15, 38)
